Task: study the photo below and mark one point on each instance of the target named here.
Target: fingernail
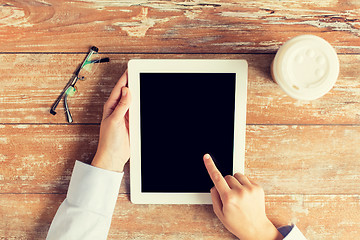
(207, 156)
(123, 91)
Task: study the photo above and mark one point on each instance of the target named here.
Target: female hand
(114, 149)
(240, 205)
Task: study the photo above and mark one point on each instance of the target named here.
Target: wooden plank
(283, 159)
(32, 154)
(40, 158)
(174, 26)
(28, 216)
(35, 81)
(32, 82)
(304, 159)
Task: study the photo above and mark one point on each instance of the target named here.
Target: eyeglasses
(84, 71)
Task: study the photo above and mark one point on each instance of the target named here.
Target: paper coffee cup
(306, 67)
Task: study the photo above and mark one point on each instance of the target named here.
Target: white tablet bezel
(137, 66)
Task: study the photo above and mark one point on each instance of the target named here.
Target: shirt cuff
(291, 232)
(93, 188)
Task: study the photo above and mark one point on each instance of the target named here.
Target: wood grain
(40, 159)
(28, 216)
(175, 26)
(304, 153)
(283, 159)
(32, 82)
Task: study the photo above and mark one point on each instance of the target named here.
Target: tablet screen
(182, 117)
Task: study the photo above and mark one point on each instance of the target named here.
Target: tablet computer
(180, 110)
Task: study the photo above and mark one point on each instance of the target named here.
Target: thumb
(123, 105)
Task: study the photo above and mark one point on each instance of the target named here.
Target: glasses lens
(89, 66)
(71, 91)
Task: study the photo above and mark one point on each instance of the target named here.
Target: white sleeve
(89, 205)
(291, 233)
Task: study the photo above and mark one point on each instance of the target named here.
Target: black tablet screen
(183, 116)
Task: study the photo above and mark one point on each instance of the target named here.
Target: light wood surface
(175, 26)
(32, 82)
(304, 153)
(320, 217)
(284, 159)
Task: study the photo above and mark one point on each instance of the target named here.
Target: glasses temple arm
(69, 84)
(67, 111)
(101, 60)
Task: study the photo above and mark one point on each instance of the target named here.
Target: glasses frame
(73, 80)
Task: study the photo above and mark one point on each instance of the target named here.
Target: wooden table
(306, 154)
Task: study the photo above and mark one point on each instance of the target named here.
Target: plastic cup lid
(306, 67)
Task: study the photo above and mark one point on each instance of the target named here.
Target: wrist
(263, 230)
(270, 232)
(107, 163)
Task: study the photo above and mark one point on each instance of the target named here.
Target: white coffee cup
(306, 67)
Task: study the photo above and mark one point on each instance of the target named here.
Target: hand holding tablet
(113, 149)
(239, 203)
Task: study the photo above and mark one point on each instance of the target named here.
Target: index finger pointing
(215, 175)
